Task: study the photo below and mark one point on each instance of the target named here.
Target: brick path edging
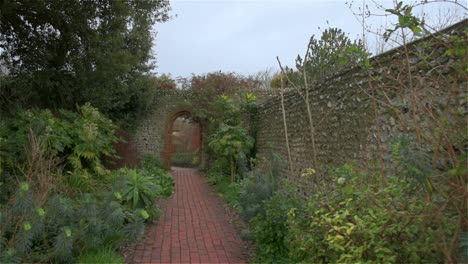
(194, 227)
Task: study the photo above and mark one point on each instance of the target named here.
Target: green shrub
(139, 189)
(229, 142)
(151, 162)
(80, 139)
(258, 187)
(219, 169)
(151, 166)
(365, 220)
(243, 195)
(352, 218)
(228, 139)
(189, 159)
(229, 191)
(269, 227)
(56, 197)
(217, 176)
(101, 255)
(255, 189)
(64, 226)
(166, 184)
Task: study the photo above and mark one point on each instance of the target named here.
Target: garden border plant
(414, 212)
(58, 201)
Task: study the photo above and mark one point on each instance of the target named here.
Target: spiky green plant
(141, 189)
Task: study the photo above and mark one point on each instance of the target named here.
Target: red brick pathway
(194, 227)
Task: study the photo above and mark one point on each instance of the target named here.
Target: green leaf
(402, 20)
(416, 30)
(144, 214)
(118, 196)
(135, 197)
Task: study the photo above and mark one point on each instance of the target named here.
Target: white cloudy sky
(245, 36)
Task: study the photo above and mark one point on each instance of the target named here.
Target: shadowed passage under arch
(184, 141)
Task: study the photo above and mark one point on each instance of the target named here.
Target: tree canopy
(333, 52)
(222, 82)
(64, 53)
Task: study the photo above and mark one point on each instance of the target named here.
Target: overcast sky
(245, 36)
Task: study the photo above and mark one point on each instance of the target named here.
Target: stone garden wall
(359, 113)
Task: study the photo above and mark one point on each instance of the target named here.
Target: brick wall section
(125, 150)
(152, 129)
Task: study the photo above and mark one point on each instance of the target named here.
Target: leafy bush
(63, 226)
(255, 189)
(137, 191)
(365, 220)
(151, 162)
(56, 197)
(164, 180)
(229, 191)
(79, 139)
(258, 187)
(217, 176)
(219, 169)
(352, 217)
(229, 142)
(101, 255)
(140, 189)
(248, 194)
(228, 139)
(270, 229)
(185, 159)
(82, 137)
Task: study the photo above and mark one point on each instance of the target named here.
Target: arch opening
(184, 141)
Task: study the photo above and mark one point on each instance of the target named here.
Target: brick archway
(153, 127)
(166, 156)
